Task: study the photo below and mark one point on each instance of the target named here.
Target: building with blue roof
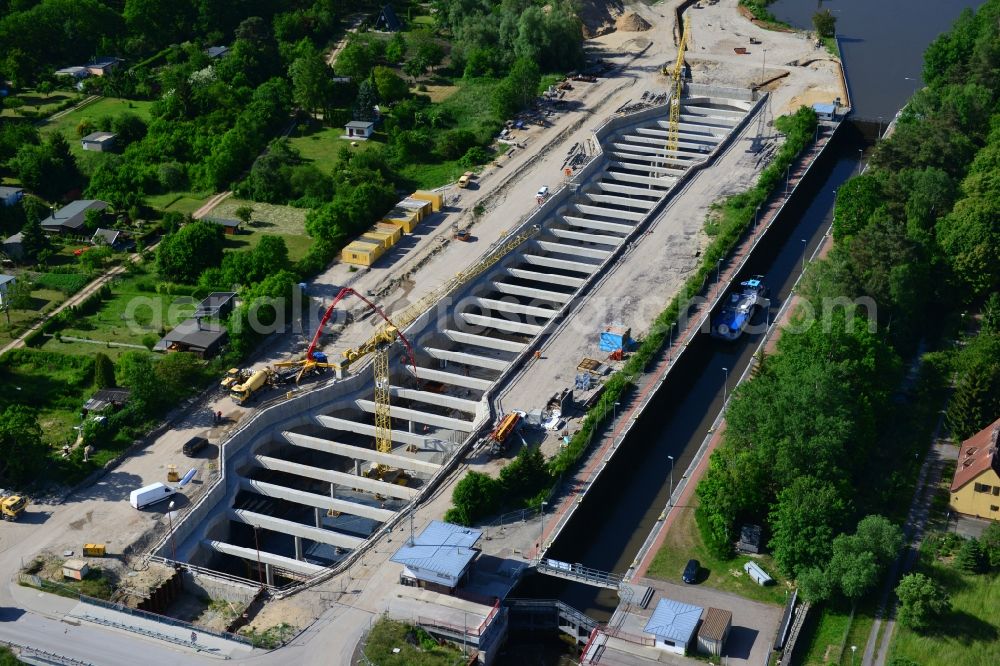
(439, 557)
(673, 624)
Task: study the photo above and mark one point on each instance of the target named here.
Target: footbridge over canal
(293, 495)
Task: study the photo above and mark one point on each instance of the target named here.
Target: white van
(150, 494)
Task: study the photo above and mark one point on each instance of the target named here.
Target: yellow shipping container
(393, 230)
(437, 201)
(362, 253)
(422, 208)
(407, 220)
(380, 237)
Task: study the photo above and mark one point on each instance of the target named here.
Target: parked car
(193, 445)
(690, 575)
(543, 192)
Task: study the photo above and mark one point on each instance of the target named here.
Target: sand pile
(632, 22)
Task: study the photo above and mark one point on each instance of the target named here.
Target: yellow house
(975, 491)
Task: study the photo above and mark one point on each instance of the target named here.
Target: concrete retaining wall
(260, 427)
(217, 588)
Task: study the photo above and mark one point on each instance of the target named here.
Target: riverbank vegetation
(735, 215)
(813, 440)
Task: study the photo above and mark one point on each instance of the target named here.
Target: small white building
(439, 557)
(99, 141)
(359, 129)
(673, 624)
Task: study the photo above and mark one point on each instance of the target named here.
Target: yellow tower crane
(675, 101)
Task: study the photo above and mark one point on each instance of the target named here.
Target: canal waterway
(882, 42)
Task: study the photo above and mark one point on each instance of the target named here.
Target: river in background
(883, 43)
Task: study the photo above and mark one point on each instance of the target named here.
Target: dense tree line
(73, 31)
(916, 234)
(488, 36)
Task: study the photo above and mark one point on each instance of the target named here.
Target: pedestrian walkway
(876, 651)
(182, 636)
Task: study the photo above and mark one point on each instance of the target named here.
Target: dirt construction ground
(656, 265)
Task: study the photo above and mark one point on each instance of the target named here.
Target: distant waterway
(883, 42)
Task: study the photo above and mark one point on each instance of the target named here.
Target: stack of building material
(615, 338)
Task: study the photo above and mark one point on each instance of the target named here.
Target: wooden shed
(437, 201)
(361, 253)
(714, 631)
(382, 238)
(392, 229)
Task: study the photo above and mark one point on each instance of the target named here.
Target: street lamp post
(170, 520)
(718, 271)
(725, 387)
(614, 416)
(541, 531)
(804, 244)
(854, 649)
(861, 157)
(670, 498)
(787, 170)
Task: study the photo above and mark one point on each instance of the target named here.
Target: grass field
(285, 222)
(180, 202)
(45, 103)
(42, 301)
(830, 631)
(683, 542)
(56, 385)
(322, 145)
(107, 106)
(127, 317)
(388, 635)
(969, 635)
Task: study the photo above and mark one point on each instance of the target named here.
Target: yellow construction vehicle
(12, 506)
(257, 381)
(233, 377)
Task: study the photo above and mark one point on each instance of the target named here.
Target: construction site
(417, 362)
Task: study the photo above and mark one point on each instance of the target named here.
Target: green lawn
(831, 626)
(969, 635)
(181, 202)
(683, 542)
(44, 103)
(54, 384)
(322, 145)
(42, 301)
(106, 106)
(127, 317)
(286, 222)
(388, 635)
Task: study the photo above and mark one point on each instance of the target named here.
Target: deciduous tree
(22, 451)
(921, 601)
